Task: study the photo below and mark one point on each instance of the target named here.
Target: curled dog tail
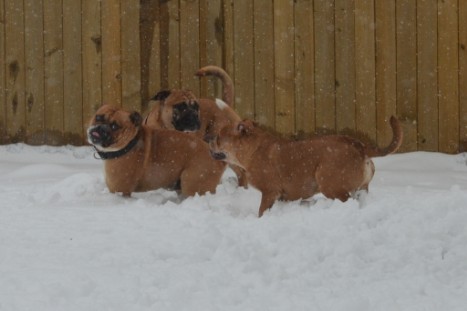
(397, 136)
(228, 88)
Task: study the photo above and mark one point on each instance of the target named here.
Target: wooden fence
(300, 66)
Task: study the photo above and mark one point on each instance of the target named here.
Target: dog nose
(218, 155)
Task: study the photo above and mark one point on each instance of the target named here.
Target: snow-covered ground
(66, 243)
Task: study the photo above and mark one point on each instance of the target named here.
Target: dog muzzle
(100, 135)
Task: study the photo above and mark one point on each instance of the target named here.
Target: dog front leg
(267, 201)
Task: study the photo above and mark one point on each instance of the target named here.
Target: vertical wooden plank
(264, 63)
(228, 56)
(92, 64)
(211, 44)
(325, 82)
(448, 76)
(244, 57)
(73, 77)
(150, 49)
(34, 49)
(304, 67)
(386, 90)
(53, 50)
(345, 65)
(131, 62)
(463, 75)
(189, 44)
(365, 68)
(2, 75)
(427, 76)
(170, 45)
(111, 52)
(284, 65)
(407, 71)
(15, 70)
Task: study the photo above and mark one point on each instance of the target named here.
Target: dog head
(232, 142)
(179, 110)
(112, 129)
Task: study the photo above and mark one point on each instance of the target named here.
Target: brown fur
(160, 158)
(228, 87)
(335, 165)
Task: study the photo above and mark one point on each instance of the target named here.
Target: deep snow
(68, 244)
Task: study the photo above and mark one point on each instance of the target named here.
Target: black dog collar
(116, 154)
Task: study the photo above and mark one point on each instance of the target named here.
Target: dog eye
(114, 126)
(100, 118)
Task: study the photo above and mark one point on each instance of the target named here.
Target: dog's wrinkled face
(231, 143)
(112, 129)
(179, 110)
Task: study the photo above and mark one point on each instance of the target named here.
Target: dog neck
(116, 154)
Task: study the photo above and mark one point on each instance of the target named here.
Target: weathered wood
(244, 57)
(345, 65)
(3, 115)
(150, 27)
(463, 75)
(189, 44)
(407, 71)
(91, 38)
(448, 63)
(427, 74)
(131, 62)
(304, 68)
(53, 65)
(15, 71)
(111, 52)
(73, 77)
(170, 46)
(325, 82)
(298, 66)
(211, 44)
(386, 94)
(284, 67)
(365, 68)
(264, 78)
(34, 46)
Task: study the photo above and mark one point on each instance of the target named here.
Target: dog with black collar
(139, 158)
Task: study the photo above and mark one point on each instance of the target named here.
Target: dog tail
(397, 137)
(228, 87)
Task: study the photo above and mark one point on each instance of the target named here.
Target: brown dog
(138, 158)
(335, 165)
(181, 110)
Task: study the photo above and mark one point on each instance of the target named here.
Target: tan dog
(138, 158)
(337, 166)
(181, 110)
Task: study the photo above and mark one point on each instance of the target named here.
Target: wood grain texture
(448, 62)
(304, 68)
(386, 94)
(427, 75)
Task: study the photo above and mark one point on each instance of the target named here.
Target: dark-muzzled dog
(139, 158)
(335, 165)
(180, 110)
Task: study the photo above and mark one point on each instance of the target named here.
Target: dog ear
(136, 118)
(245, 127)
(161, 95)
